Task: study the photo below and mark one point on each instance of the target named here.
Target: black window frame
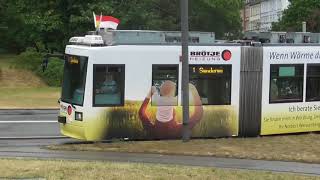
(191, 66)
(122, 98)
(296, 77)
(307, 81)
(177, 75)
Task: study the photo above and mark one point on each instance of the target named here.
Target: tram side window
(164, 85)
(108, 85)
(213, 83)
(286, 83)
(313, 82)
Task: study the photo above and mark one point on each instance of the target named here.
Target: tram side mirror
(45, 63)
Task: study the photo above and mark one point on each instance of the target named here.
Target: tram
(127, 84)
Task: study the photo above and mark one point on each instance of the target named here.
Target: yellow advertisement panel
(294, 118)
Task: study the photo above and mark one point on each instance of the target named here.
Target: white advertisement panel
(290, 89)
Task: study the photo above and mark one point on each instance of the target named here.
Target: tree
(297, 12)
(47, 25)
(219, 16)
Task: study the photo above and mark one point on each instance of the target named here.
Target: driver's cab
(73, 94)
(88, 86)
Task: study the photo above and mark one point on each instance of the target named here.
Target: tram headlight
(78, 116)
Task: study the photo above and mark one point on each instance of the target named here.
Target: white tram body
(135, 69)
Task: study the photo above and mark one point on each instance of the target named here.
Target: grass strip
(62, 169)
(300, 148)
(29, 97)
(22, 89)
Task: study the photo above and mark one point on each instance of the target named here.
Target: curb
(33, 137)
(28, 111)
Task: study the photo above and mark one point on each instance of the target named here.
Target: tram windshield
(74, 79)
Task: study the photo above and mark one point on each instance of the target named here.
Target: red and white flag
(107, 22)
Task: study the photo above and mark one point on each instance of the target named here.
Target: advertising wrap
(290, 90)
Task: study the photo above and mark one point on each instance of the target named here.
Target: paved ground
(10, 147)
(28, 123)
(32, 149)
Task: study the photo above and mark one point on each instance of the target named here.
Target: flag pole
(95, 21)
(185, 68)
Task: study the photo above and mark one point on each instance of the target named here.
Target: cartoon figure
(165, 125)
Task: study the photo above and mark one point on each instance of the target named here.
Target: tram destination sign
(207, 70)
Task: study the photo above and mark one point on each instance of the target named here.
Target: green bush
(32, 60)
(3, 51)
(53, 74)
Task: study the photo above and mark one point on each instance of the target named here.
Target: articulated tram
(132, 89)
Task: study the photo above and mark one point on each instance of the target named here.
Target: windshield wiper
(74, 107)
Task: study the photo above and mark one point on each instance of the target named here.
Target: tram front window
(74, 79)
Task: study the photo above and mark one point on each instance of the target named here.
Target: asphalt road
(28, 123)
(23, 125)
(32, 149)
